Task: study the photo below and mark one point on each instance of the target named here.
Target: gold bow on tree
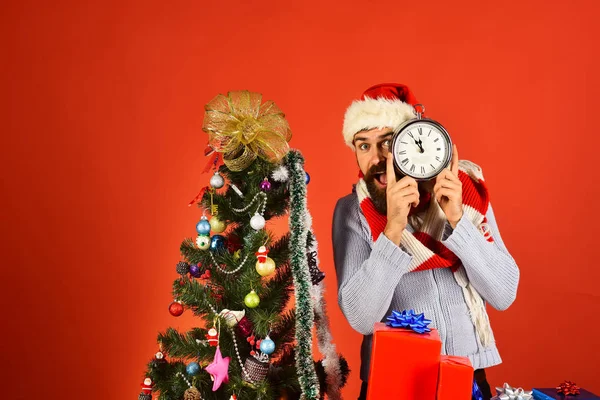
(242, 128)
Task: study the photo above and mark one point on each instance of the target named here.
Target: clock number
(422, 169)
(432, 167)
(403, 152)
(411, 135)
(420, 131)
(403, 142)
(412, 168)
(438, 149)
(405, 161)
(438, 158)
(436, 140)
(429, 134)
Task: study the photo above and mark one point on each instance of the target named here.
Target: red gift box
(456, 378)
(404, 364)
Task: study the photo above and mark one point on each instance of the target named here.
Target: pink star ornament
(218, 369)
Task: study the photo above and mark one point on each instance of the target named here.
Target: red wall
(102, 147)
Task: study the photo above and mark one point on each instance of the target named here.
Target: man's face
(371, 154)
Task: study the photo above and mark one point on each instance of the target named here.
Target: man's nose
(378, 155)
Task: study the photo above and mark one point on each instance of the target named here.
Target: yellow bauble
(216, 225)
(237, 254)
(266, 268)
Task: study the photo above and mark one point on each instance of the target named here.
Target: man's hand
(448, 191)
(401, 196)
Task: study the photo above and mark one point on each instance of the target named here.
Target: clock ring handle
(420, 110)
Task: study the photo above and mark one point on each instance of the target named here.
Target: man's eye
(363, 146)
(385, 143)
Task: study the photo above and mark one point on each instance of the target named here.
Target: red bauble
(245, 326)
(176, 309)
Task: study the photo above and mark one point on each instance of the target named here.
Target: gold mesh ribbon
(242, 128)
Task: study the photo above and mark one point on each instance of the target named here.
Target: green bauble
(251, 300)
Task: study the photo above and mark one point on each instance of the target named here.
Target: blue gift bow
(408, 319)
(476, 393)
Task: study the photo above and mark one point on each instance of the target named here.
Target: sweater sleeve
(367, 276)
(489, 266)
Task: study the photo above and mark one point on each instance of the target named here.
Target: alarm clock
(421, 147)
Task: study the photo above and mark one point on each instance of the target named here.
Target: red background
(102, 150)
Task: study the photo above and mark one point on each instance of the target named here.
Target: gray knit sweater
(373, 279)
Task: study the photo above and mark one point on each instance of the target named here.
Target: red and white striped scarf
(425, 244)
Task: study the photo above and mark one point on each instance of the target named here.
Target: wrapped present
(455, 380)
(552, 394)
(507, 392)
(404, 363)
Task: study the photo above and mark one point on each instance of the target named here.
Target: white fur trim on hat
(374, 113)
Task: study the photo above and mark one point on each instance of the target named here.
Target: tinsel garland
(309, 383)
(331, 360)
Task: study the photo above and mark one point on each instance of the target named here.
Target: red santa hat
(386, 105)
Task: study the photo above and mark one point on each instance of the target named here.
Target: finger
(449, 193)
(454, 162)
(447, 174)
(390, 172)
(398, 190)
(446, 183)
(408, 181)
(412, 200)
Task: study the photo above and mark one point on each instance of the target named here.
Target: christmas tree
(259, 296)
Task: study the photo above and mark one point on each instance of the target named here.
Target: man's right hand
(401, 196)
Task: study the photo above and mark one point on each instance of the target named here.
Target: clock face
(422, 149)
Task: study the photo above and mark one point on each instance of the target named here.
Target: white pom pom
(281, 174)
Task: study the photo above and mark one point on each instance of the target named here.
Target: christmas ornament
(243, 128)
(232, 317)
(265, 185)
(176, 308)
(203, 226)
(205, 275)
(281, 174)
(316, 275)
(237, 255)
(267, 345)
(147, 386)
(144, 396)
(213, 337)
(266, 268)
(182, 268)
(217, 181)
(245, 326)
(261, 254)
(233, 397)
(192, 368)
(257, 222)
(218, 369)
(195, 270)
(216, 225)
(256, 370)
(203, 242)
(192, 394)
(307, 178)
(252, 300)
(217, 242)
(158, 360)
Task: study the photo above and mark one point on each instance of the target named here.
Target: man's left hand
(448, 190)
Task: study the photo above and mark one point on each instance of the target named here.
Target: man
(457, 263)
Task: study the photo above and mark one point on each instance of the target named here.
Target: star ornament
(218, 369)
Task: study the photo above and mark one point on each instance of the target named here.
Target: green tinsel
(309, 383)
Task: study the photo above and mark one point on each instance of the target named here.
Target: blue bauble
(307, 178)
(203, 227)
(267, 346)
(192, 368)
(217, 242)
